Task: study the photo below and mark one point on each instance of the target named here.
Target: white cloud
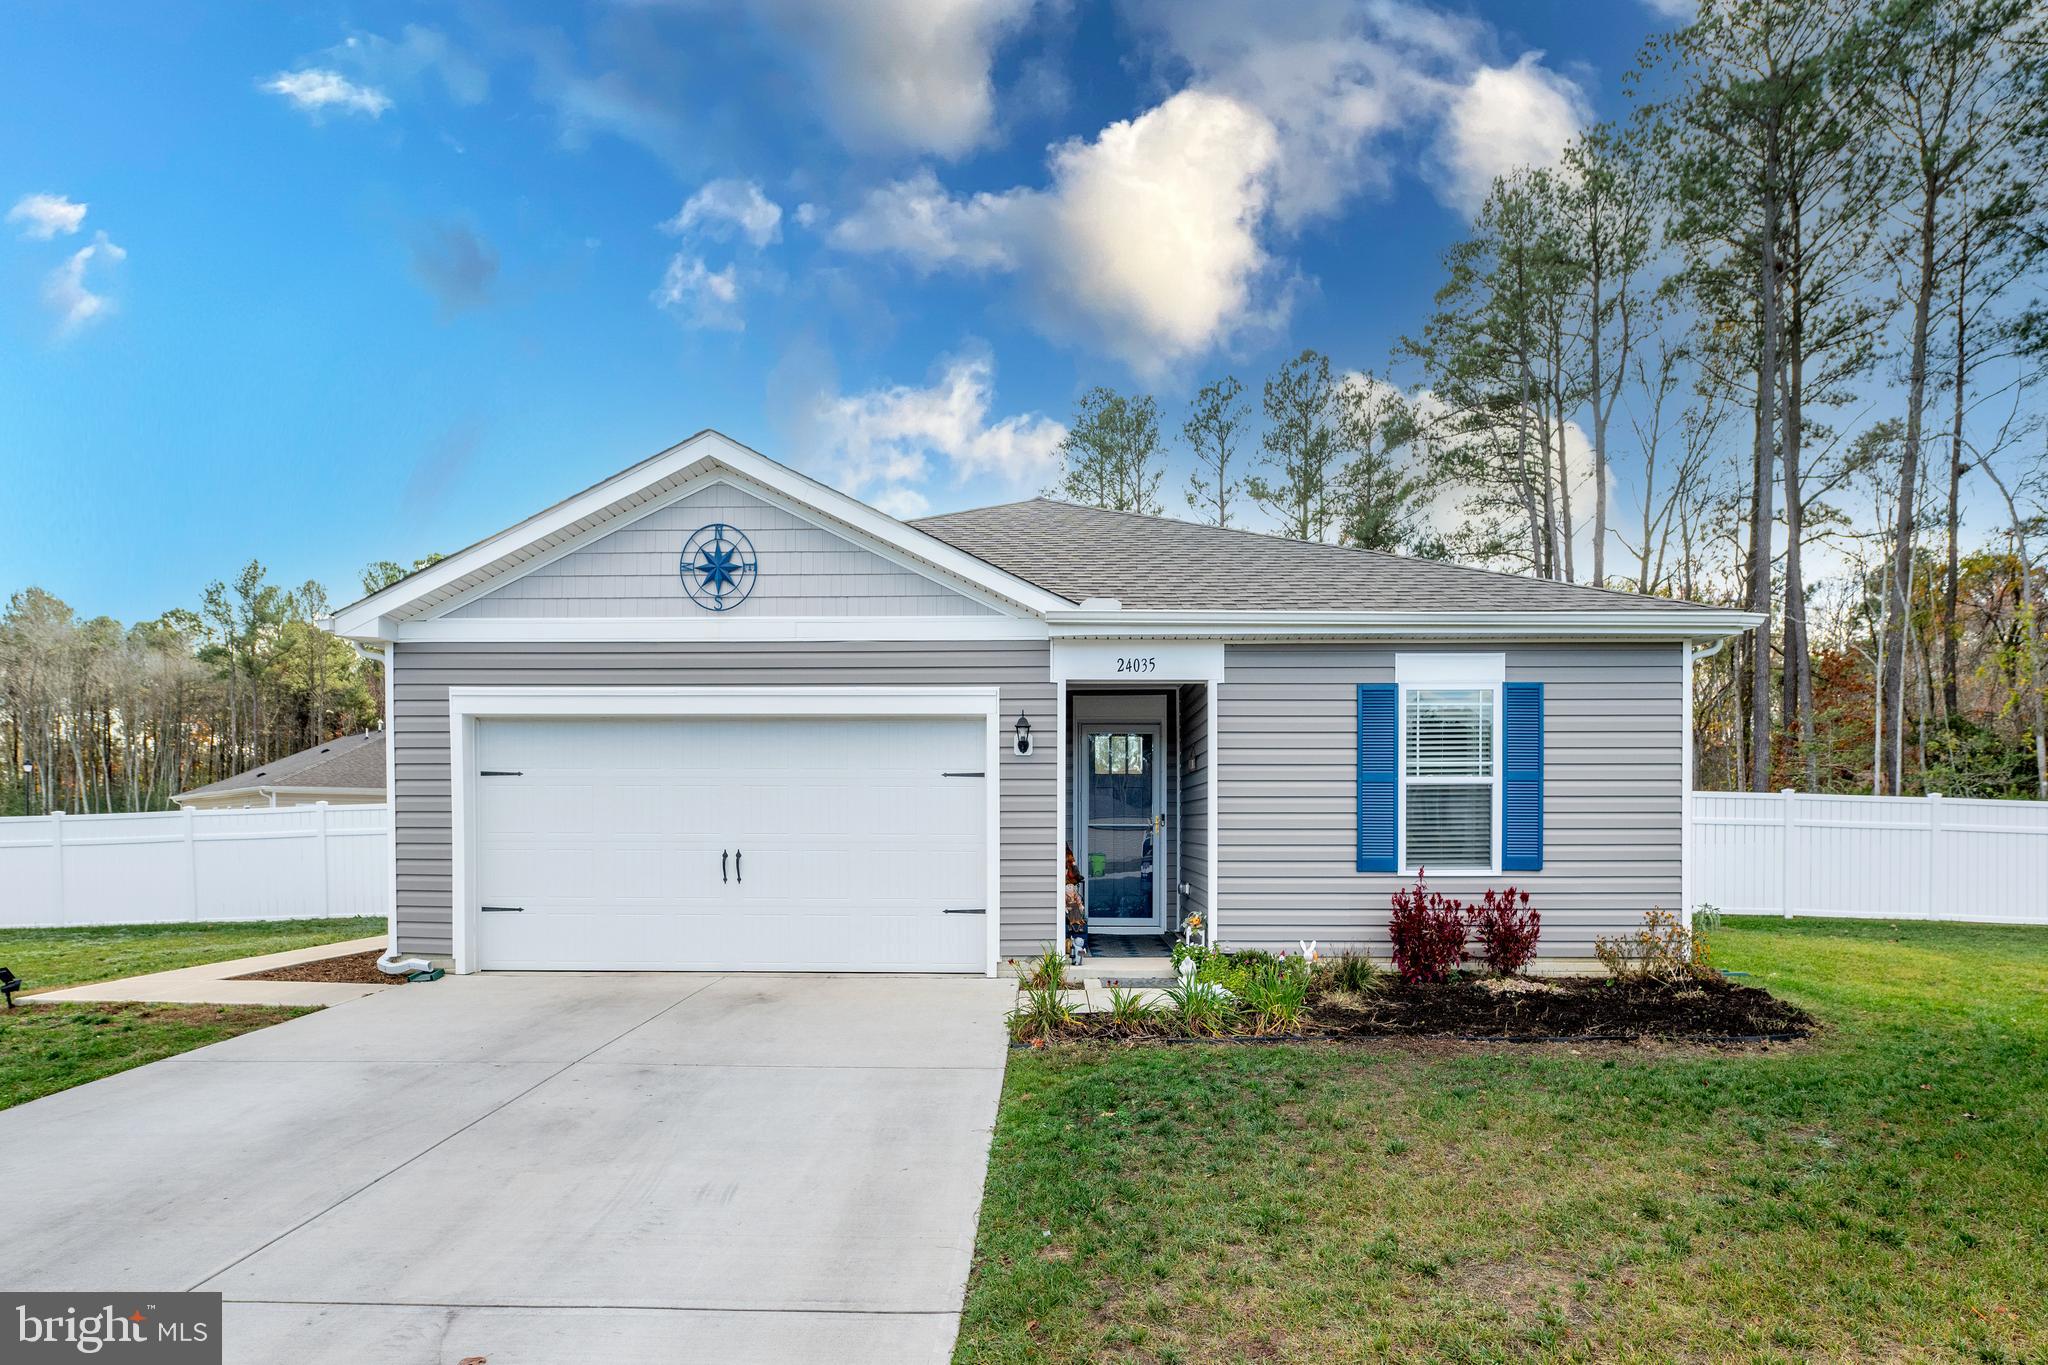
(416, 52)
(917, 219)
(1682, 11)
(700, 296)
(723, 206)
(1331, 77)
(903, 75)
(1347, 83)
(1448, 511)
(1164, 236)
(1145, 242)
(1154, 224)
(43, 216)
(902, 503)
(881, 444)
(316, 90)
(1504, 118)
(65, 290)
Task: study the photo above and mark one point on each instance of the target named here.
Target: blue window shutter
(1521, 834)
(1379, 723)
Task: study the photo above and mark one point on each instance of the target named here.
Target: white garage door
(738, 845)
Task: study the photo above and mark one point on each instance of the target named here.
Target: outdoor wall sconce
(1023, 734)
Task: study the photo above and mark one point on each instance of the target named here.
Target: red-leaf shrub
(1506, 929)
(1428, 929)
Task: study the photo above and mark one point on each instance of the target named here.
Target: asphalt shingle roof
(1160, 563)
(353, 761)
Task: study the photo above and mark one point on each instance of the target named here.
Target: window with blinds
(1448, 774)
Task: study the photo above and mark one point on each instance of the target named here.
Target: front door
(1122, 790)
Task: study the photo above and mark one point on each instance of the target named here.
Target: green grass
(1878, 1193)
(48, 958)
(52, 1047)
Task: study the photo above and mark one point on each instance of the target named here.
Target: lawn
(47, 958)
(1878, 1193)
(47, 1048)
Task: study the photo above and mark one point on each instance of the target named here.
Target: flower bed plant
(1661, 986)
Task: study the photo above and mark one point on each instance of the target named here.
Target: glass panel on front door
(1121, 784)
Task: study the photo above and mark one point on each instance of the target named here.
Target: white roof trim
(375, 616)
(710, 627)
(267, 789)
(1647, 623)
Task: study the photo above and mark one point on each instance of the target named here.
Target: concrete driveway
(537, 1168)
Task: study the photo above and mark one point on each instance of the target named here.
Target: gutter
(1651, 624)
(265, 789)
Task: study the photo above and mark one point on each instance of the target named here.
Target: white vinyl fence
(1871, 857)
(292, 862)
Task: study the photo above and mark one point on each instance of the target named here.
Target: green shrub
(1131, 1011)
(1275, 995)
(1349, 971)
(1042, 1014)
(1047, 969)
(1199, 1009)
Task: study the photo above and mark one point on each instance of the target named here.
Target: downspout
(1693, 654)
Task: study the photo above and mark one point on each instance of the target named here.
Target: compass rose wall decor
(718, 566)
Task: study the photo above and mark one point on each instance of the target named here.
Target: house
(348, 771)
(711, 714)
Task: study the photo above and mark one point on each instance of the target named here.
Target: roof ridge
(1205, 526)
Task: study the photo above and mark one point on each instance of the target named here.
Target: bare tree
(1951, 101)
(1213, 430)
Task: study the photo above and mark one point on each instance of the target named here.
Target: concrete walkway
(209, 983)
(542, 1168)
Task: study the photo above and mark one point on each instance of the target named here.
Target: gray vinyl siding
(424, 673)
(1613, 776)
(805, 570)
(1194, 798)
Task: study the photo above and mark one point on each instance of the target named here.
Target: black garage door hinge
(977, 910)
(498, 772)
(502, 909)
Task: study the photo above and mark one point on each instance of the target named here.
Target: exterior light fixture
(1023, 734)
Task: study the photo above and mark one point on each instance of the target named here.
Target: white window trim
(468, 705)
(1431, 672)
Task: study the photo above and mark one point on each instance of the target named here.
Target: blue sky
(321, 284)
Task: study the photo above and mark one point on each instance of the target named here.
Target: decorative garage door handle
(722, 855)
(737, 875)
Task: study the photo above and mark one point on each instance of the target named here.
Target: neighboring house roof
(1158, 563)
(351, 763)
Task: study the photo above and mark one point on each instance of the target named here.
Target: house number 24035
(1138, 663)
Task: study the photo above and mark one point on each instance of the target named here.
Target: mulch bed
(1547, 1010)
(1589, 1007)
(349, 967)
